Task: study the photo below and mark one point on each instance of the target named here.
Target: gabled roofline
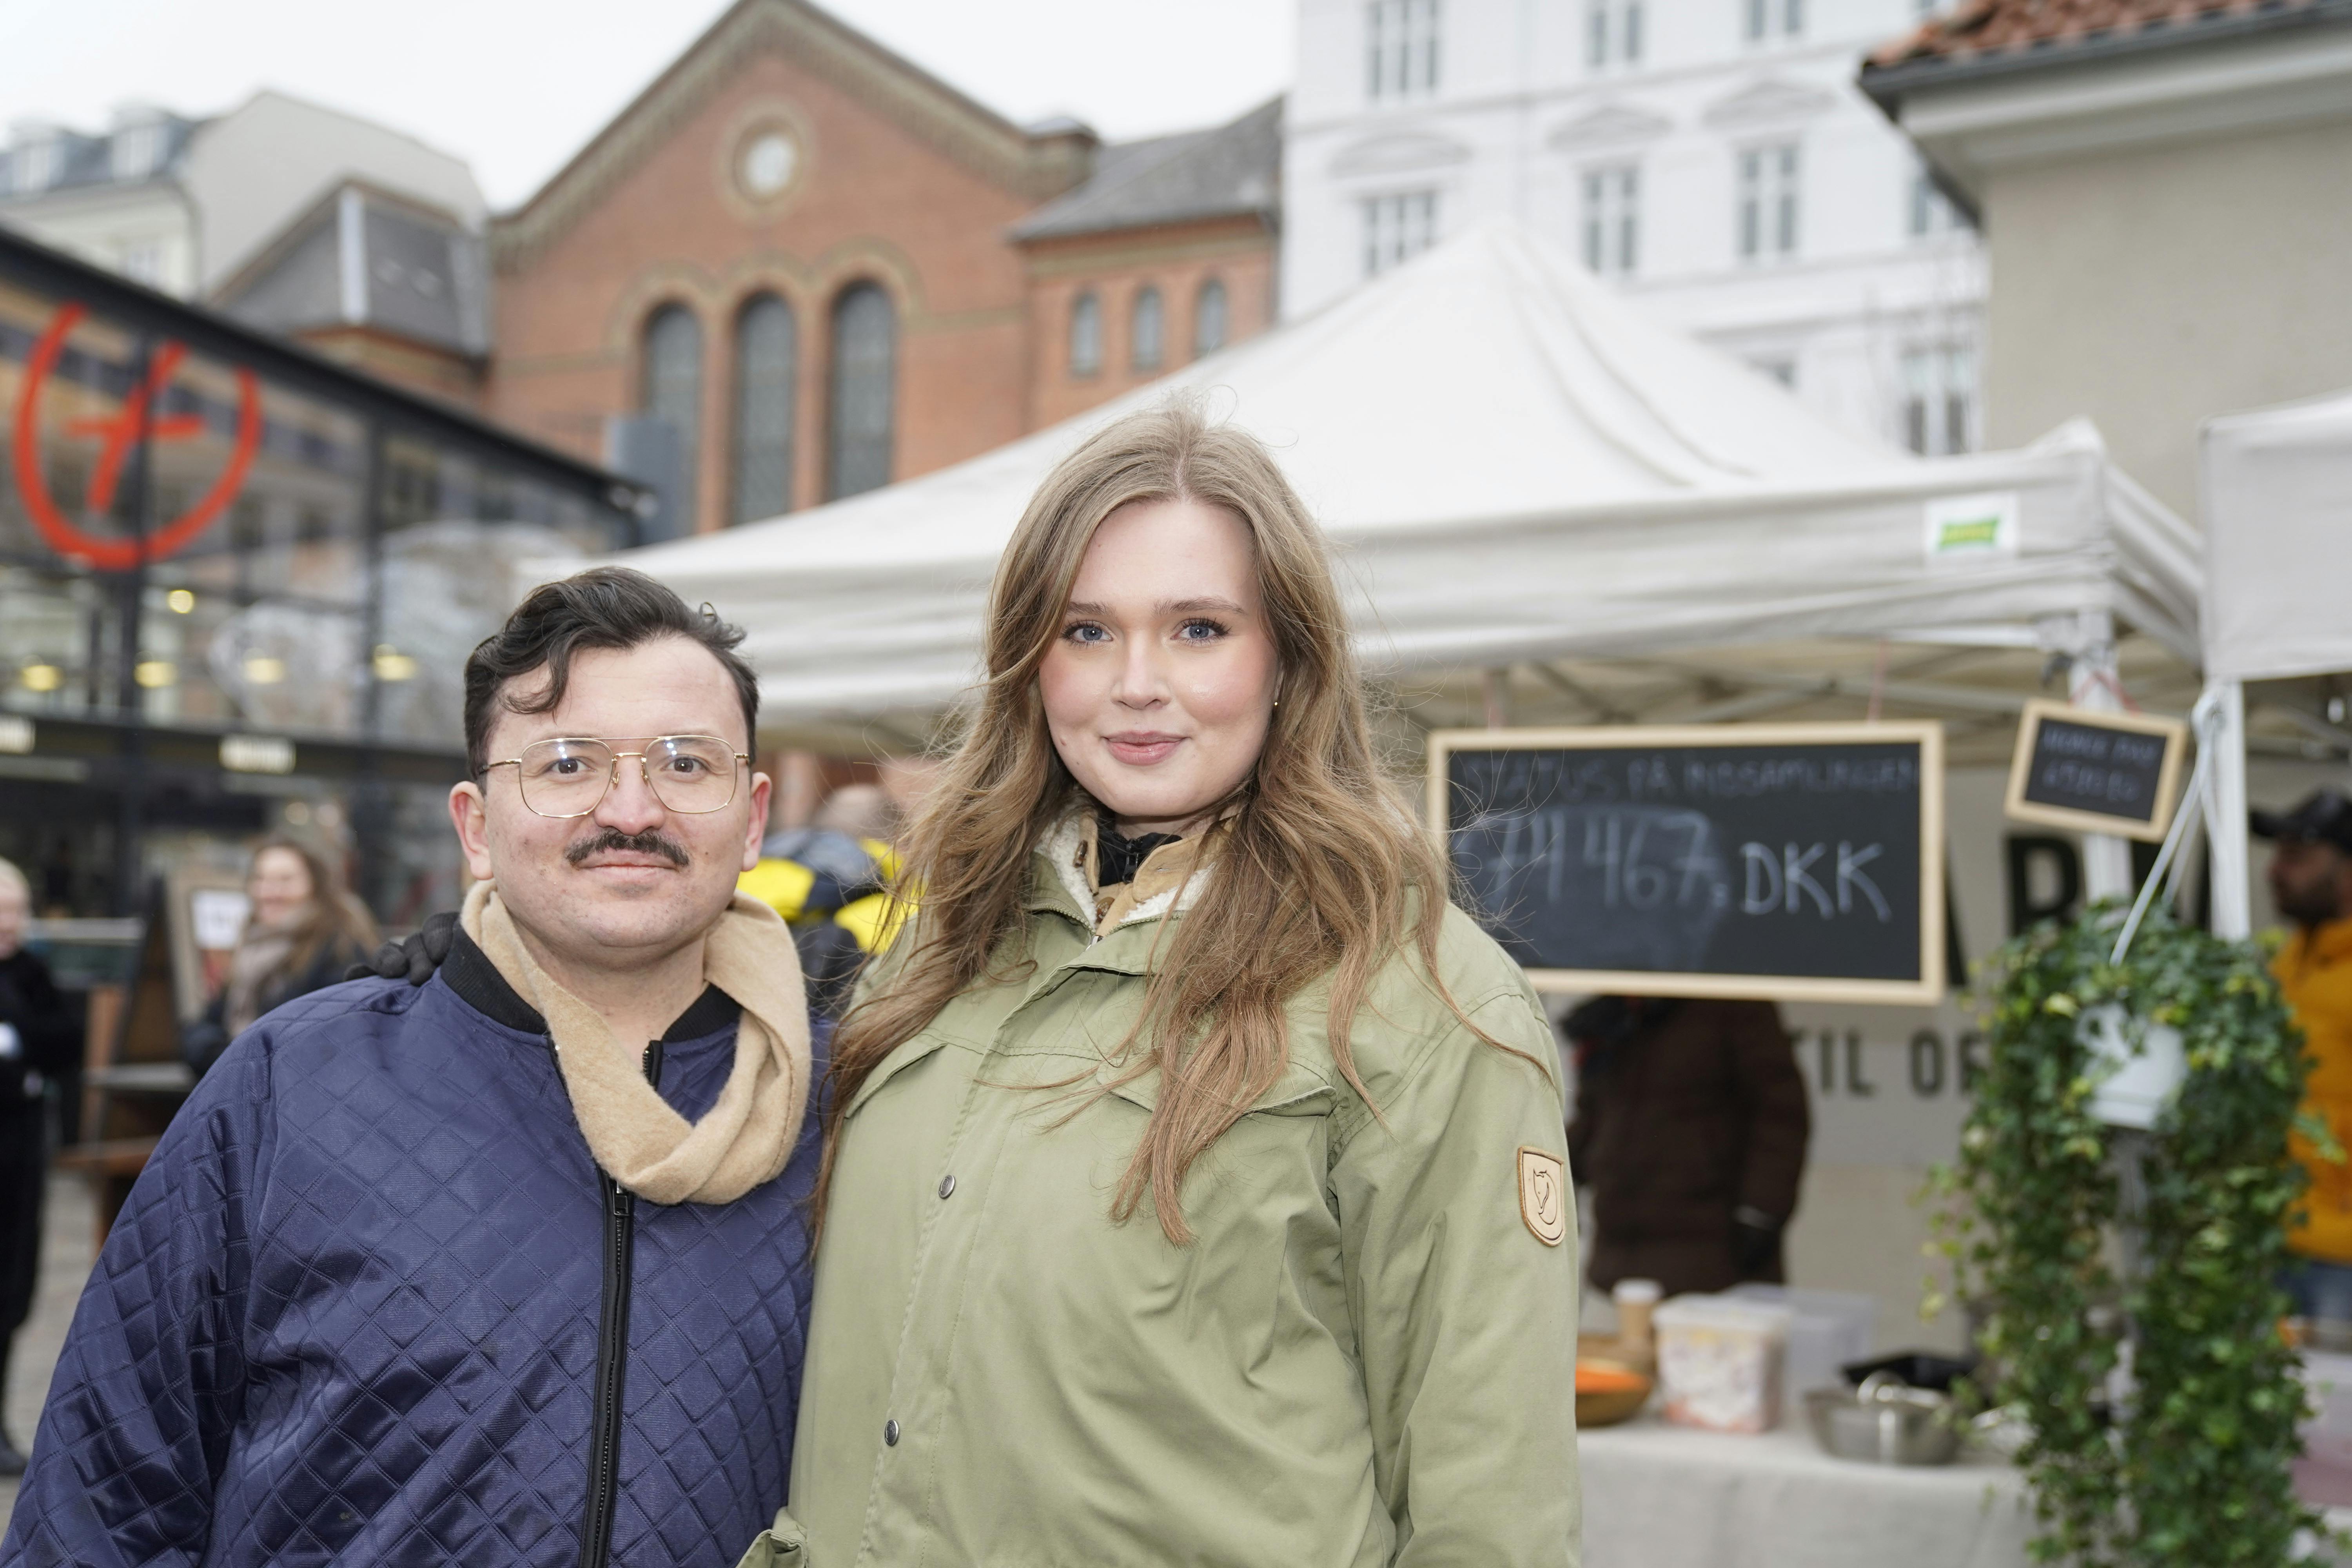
(955, 125)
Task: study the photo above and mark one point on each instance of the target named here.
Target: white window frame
(1608, 220)
(1767, 212)
(1615, 33)
(1765, 20)
(135, 151)
(38, 164)
(1402, 53)
(1929, 212)
(1939, 413)
(1397, 226)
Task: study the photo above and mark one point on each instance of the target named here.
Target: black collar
(1119, 857)
(478, 984)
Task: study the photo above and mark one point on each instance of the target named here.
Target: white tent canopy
(1515, 464)
(2276, 488)
(2278, 518)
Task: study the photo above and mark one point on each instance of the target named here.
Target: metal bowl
(1884, 1423)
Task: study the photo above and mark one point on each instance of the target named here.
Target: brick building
(812, 267)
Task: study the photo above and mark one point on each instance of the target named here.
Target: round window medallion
(770, 157)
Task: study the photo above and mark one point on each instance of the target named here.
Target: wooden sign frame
(1927, 991)
(2174, 731)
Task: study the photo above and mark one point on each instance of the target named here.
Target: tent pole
(2225, 825)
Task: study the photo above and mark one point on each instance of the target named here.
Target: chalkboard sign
(2101, 772)
(1803, 862)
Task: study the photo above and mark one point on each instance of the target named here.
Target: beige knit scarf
(748, 1135)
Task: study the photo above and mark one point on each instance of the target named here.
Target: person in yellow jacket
(2311, 883)
(830, 880)
(1197, 1184)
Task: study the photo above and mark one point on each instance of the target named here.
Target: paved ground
(65, 1263)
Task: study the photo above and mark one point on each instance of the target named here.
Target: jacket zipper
(620, 1206)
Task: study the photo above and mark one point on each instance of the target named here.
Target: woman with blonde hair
(303, 932)
(1195, 1185)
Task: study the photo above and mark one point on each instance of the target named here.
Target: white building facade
(1712, 157)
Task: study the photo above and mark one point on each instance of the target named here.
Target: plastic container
(1720, 1360)
(1636, 1301)
(1827, 1329)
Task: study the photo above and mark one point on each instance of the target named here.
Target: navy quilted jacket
(361, 1308)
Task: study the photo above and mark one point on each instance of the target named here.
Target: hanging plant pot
(2137, 1063)
(2177, 1055)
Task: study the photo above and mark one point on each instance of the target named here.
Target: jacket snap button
(947, 1186)
(890, 1433)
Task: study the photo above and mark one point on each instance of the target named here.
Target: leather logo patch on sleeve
(1543, 1195)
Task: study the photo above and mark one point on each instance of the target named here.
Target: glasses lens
(564, 778)
(691, 773)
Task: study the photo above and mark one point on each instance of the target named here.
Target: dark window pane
(767, 371)
(1085, 335)
(673, 394)
(1209, 325)
(1148, 340)
(864, 390)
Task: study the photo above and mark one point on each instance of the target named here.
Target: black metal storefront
(236, 582)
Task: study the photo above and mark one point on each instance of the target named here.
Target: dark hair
(603, 607)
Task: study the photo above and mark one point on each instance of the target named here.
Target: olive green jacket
(1366, 1356)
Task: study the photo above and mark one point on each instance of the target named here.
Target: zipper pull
(623, 1199)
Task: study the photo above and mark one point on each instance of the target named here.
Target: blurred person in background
(37, 1045)
(2310, 884)
(828, 880)
(303, 932)
(1690, 1134)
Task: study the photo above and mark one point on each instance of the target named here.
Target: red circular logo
(120, 434)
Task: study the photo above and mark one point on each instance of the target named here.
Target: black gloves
(415, 957)
(1755, 1243)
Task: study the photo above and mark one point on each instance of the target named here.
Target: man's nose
(630, 806)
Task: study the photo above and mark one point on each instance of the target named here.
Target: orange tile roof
(1976, 29)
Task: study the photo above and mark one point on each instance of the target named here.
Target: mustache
(613, 841)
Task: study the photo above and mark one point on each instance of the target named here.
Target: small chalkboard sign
(2098, 772)
(1803, 862)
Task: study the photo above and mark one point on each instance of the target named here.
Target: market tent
(1515, 464)
(2276, 488)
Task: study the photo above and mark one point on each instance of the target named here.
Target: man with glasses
(511, 1268)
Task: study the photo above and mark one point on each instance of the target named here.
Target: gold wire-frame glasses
(570, 775)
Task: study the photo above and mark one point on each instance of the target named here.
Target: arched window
(1209, 317)
(767, 371)
(673, 394)
(1086, 335)
(864, 390)
(1148, 341)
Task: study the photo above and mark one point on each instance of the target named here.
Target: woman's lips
(1142, 748)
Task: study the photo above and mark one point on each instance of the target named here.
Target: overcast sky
(517, 85)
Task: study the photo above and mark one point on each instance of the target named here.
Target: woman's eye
(1200, 631)
(1085, 632)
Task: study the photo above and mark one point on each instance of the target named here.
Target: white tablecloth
(1670, 1497)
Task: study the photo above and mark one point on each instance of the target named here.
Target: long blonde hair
(1321, 872)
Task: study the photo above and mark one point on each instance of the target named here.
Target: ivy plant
(2190, 1466)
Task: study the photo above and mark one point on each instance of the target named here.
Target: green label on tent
(1961, 526)
(1977, 533)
